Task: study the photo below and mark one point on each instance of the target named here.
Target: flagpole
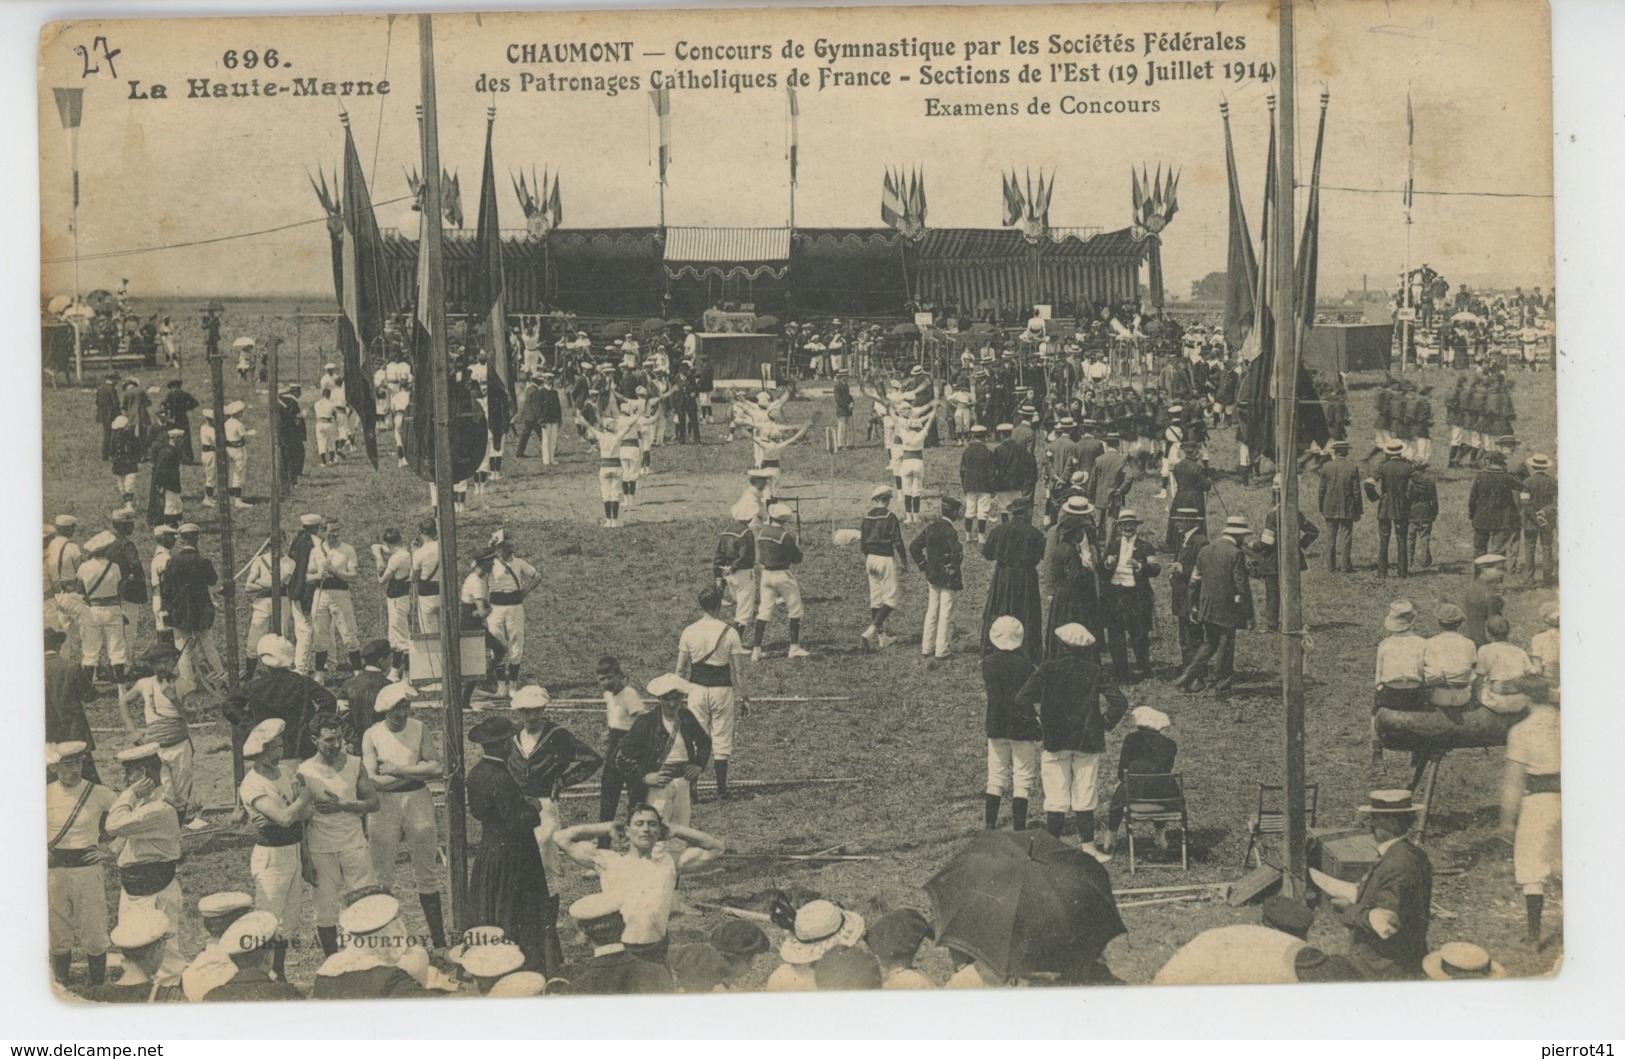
(273, 424)
(440, 382)
(1295, 881)
(1407, 321)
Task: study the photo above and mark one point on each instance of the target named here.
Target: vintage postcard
(926, 498)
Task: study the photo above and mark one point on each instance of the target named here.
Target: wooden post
(440, 382)
(273, 406)
(228, 549)
(1295, 881)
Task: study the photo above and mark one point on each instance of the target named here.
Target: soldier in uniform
(187, 590)
(173, 411)
(101, 621)
(1453, 418)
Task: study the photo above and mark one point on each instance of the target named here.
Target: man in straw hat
(398, 756)
(777, 551)
(1191, 530)
(1387, 913)
(250, 942)
(1223, 603)
(1537, 501)
(612, 970)
(1068, 689)
(1128, 563)
(1400, 664)
(278, 804)
(341, 796)
(76, 883)
(151, 831)
(1341, 505)
(144, 938)
(508, 881)
(1013, 729)
(212, 967)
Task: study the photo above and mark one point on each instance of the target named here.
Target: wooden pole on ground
(440, 381)
(1296, 878)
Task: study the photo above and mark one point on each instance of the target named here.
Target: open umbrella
(58, 303)
(1464, 318)
(1023, 902)
(242, 342)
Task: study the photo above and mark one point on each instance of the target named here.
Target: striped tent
(976, 265)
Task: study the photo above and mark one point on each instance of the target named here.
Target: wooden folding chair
(1156, 798)
(1270, 816)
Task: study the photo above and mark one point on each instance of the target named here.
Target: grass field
(909, 739)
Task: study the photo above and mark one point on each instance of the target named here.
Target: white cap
(780, 513)
(139, 926)
(1074, 635)
(100, 541)
(530, 697)
(1149, 717)
(137, 753)
(275, 651)
(520, 983)
(743, 511)
(883, 492)
(667, 684)
(370, 914)
(252, 931)
(1007, 632)
(261, 736)
(393, 695)
(219, 904)
(493, 961)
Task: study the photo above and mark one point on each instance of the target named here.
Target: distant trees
(1210, 288)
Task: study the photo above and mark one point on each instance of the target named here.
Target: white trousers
(304, 638)
(1537, 845)
(332, 609)
(742, 586)
(1069, 781)
(779, 585)
(259, 621)
(885, 586)
(979, 505)
(102, 628)
(939, 620)
(550, 443)
(177, 775)
(409, 816)
(506, 622)
(336, 875)
(197, 652)
(674, 802)
(77, 900)
(1012, 765)
(429, 615)
(912, 471)
(167, 901)
(717, 711)
(278, 886)
(398, 610)
(237, 467)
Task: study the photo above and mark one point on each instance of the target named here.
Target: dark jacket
(1424, 496)
(1401, 882)
(939, 555)
(367, 984)
(132, 586)
(107, 403)
(1109, 474)
(1146, 753)
(1493, 503)
(1340, 494)
(616, 974)
(644, 748)
(1068, 690)
(1015, 469)
(1394, 488)
(289, 696)
(1224, 592)
(736, 550)
(184, 588)
(1179, 583)
(1004, 674)
(1192, 480)
(558, 760)
(1542, 490)
(1262, 560)
(253, 985)
(1143, 552)
(124, 448)
(882, 534)
(978, 472)
(550, 409)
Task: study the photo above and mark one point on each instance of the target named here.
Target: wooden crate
(423, 659)
(1345, 854)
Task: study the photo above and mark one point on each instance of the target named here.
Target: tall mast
(1286, 461)
(440, 381)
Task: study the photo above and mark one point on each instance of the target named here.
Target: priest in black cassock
(508, 885)
(1016, 547)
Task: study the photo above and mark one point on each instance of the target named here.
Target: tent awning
(748, 252)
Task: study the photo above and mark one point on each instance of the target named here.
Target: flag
(1139, 197)
(919, 200)
(1257, 394)
(1410, 151)
(70, 106)
(1311, 415)
(662, 102)
(891, 203)
(420, 413)
(367, 298)
(795, 116)
(487, 296)
(451, 199)
(1241, 275)
(1045, 191)
(555, 207)
(1014, 207)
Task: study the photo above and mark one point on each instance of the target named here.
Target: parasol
(1465, 318)
(1025, 903)
(58, 303)
(242, 343)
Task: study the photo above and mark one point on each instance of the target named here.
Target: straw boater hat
(1401, 616)
(820, 927)
(1389, 802)
(520, 983)
(492, 961)
(1236, 525)
(138, 753)
(1461, 959)
(370, 914)
(1006, 633)
(1394, 447)
(1187, 514)
(1489, 559)
(1538, 462)
(1128, 515)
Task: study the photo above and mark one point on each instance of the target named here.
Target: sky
(158, 172)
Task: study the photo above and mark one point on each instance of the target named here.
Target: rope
(378, 137)
(1458, 194)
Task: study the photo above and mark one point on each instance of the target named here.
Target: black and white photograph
(799, 499)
